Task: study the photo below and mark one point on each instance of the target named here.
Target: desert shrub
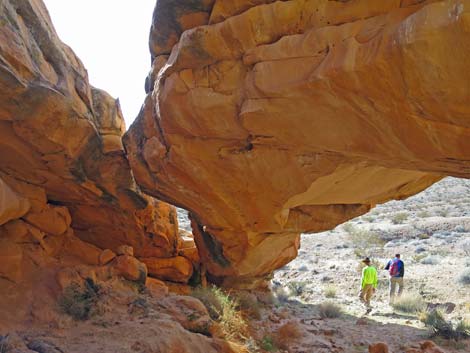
(365, 242)
(419, 257)
(436, 322)
(348, 227)
(267, 344)
(280, 294)
(330, 291)
(249, 304)
(329, 309)
(225, 310)
(444, 212)
(431, 260)
(287, 334)
(4, 346)
(423, 214)
(409, 303)
(439, 326)
(211, 298)
(369, 219)
(400, 218)
(464, 277)
(80, 302)
(462, 329)
(297, 287)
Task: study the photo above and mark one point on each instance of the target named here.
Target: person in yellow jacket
(368, 284)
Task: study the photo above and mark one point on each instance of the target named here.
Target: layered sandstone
(266, 119)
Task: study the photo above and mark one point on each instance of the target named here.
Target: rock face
(62, 160)
(266, 119)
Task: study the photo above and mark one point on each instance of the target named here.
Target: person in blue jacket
(396, 270)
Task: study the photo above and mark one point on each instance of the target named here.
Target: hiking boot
(368, 311)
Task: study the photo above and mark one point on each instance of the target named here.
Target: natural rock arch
(267, 119)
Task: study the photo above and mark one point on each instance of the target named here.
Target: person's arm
(376, 281)
(401, 269)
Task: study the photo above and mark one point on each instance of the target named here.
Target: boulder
(378, 348)
(130, 268)
(325, 110)
(54, 220)
(106, 256)
(156, 287)
(174, 269)
(425, 347)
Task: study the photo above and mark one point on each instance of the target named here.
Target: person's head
(366, 261)
(397, 256)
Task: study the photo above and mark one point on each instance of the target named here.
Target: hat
(366, 260)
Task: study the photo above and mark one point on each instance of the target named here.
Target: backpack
(393, 269)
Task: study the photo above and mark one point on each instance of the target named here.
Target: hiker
(368, 284)
(396, 269)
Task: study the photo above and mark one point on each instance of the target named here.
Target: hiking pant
(394, 281)
(366, 294)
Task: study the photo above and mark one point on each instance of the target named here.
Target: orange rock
(125, 250)
(87, 253)
(191, 254)
(189, 312)
(12, 205)
(328, 109)
(178, 288)
(130, 268)
(156, 287)
(378, 348)
(54, 220)
(175, 269)
(425, 347)
(106, 256)
(11, 257)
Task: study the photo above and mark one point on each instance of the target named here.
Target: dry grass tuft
(409, 303)
(330, 291)
(287, 334)
(328, 309)
(225, 311)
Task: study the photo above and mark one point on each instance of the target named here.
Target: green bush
(409, 303)
(80, 302)
(329, 309)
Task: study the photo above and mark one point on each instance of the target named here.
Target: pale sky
(111, 39)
